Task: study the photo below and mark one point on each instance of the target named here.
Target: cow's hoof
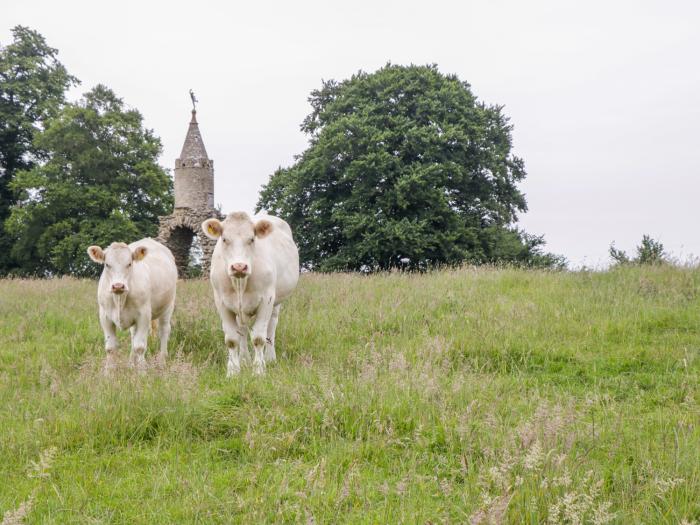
(270, 354)
(139, 365)
(110, 365)
(160, 361)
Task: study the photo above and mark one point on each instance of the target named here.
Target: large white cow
(137, 286)
(254, 267)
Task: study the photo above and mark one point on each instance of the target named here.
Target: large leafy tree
(405, 168)
(100, 182)
(32, 90)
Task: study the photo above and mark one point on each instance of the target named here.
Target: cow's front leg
(139, 341)
(270, 354)
(233, 340)
(233, 344)
(243, 339)
(111, 343)
(259, 334)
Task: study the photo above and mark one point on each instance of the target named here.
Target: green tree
(405, 168)
(32, 90)
(100, 183)
(649, 251)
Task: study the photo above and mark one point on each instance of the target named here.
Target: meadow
(461, 396)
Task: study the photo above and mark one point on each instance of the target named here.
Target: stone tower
(194, 202)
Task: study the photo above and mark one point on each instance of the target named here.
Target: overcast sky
(604, 95)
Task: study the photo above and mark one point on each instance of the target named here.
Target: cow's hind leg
(164, 328)
(270, 354)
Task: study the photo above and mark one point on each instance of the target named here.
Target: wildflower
(17, 516)
(601, 514)
(40, 469)
(664, 485)
(534, 457)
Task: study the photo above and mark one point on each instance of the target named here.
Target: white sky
(604, 95)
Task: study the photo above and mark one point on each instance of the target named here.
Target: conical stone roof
(193, 151)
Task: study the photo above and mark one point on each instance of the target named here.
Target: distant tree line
(405, 168)
(72, 174)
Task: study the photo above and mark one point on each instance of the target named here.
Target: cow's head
(118, 260)
(236, 240)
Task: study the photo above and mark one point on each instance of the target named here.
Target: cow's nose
(239, 268)
(118, 287)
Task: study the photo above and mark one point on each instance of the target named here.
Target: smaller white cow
(137, 286)
(254, 267)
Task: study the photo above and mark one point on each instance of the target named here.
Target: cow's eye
(128, 265)
(225, 240)
(107, 265)
(251, 240)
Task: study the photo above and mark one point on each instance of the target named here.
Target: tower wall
(194, 186)
(173, 237)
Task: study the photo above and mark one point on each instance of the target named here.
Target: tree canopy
(32, 90)
(100, 182)
(405, 168)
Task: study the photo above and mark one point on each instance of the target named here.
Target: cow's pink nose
(118, 287)
(238, 268)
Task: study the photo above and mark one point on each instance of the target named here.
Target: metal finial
(194, 100)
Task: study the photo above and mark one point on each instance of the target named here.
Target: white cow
(254, 267)
(137, 286)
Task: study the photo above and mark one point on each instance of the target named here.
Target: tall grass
(474, 395)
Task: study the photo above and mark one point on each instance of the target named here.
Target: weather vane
(194, 100)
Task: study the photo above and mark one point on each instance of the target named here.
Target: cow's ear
(212, 228)
(139, 253)
(262, 228)
(96, 254)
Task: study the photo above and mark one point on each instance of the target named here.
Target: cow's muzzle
(239, 270)
(118, 288)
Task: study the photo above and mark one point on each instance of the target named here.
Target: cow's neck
(119, 302)
(239, 286)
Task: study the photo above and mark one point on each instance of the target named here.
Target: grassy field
(489, 395)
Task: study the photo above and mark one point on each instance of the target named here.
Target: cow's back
(159, 265)
(283, 254)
